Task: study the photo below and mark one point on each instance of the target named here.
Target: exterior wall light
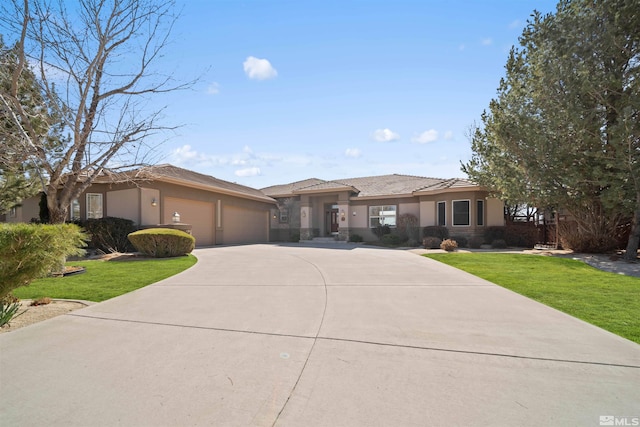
(176, 217)
(154, 202)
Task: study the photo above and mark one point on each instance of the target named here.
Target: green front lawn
(610, 301)
(105, 279)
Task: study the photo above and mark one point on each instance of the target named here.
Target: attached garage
(199, 214)
(242, 225)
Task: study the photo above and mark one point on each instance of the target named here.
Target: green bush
(436, 231)
(294, 237)
(431, 242)
(109, 234)
(382, 230)
(162, 242)
(499, 244)
(356, 238)
(476, 242)
(495, 233)
(461, 240)
(30, 251)
(449, 245)
(392, 239)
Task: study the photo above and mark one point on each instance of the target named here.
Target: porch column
(344, 216)
(306, 220)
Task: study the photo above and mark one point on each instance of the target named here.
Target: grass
(105, 279)
(610, 301)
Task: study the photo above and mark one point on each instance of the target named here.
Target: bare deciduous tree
(94, 62)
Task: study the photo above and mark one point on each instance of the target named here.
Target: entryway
(331, 220)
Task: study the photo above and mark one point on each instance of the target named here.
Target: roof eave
(449, 190)
(212, 188)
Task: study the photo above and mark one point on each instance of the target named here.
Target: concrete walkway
(267, 335)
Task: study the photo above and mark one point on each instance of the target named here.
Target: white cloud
(385, 135)
(426, 136)
(487, 42)
(448, 135)
(259, 69)
(213, 89)
(353, 152)
(254, 171)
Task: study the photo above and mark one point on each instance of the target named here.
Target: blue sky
(290, 90)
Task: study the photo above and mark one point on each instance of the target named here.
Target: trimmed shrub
(449, 245)
(461, 241)
(294, 237)
(476, 242)
(431, 242)
(408, 227)
(162, 242)
(412, 243)
(109, 234)
(392, 239)
(30, 251)
(495, 233)
(356, 238)
(524, 235)
(499, 244)
(436, 231)
(381, 230)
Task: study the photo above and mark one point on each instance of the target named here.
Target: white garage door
(245, 225)
(199, 214)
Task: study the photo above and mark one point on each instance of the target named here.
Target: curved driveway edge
(293, 335)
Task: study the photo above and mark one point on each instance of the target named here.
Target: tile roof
(289, 189)
(371, 186)
(174, 174)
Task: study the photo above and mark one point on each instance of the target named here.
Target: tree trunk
(631, 254)
(57, 213)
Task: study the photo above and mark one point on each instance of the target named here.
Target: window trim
(74, 202)
(88, 195)
(453, 213)
(480, 220)
(442, 223)
(382, 209)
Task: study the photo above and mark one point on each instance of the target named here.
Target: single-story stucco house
(344, 207)
(219, 212)
(222, 212)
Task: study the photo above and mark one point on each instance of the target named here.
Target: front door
(332, 221)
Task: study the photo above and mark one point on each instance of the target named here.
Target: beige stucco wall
(495, 212)
(124, 204)
(361, 219)
(412, 208)
(30, 209)
(427, 213)
(149, 214)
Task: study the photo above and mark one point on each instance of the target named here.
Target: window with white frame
(13, 212)
(382, 215)
(94, 205)
(480, 212)
(461, 212)
(74, 211)
(442, 214)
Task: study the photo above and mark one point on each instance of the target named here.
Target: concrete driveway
(267, 335)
